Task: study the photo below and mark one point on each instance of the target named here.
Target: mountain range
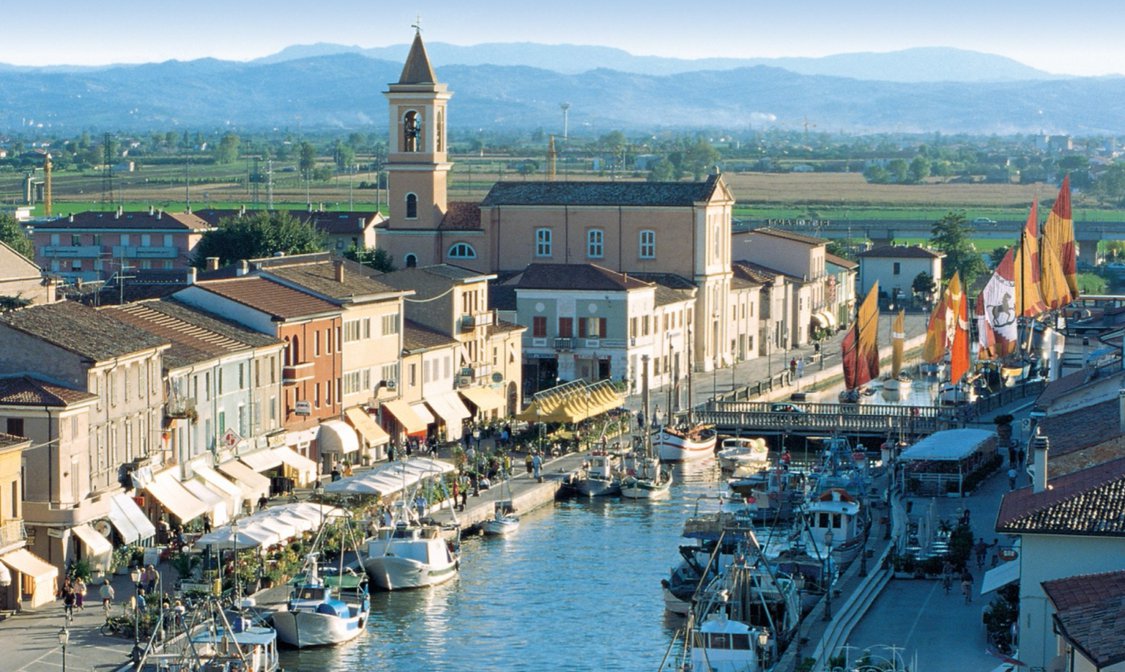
(520, 86)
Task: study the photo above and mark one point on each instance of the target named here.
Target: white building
(895, 267)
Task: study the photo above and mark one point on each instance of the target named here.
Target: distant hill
(344, 91)
(923, 64)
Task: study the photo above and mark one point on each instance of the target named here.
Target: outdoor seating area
(950, 462)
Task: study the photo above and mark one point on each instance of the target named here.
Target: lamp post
(64, 639)
(828, 575)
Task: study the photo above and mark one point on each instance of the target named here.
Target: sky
(1082, 37)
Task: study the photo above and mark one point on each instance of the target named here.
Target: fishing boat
(684, 442)
(860, 348)
(773, 494)
(740, 453)
(833, 526)
(504, 520)
(648, 479)
(410, 554)
(216, 640)
(599, 476)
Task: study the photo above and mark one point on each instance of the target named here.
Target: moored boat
(684, 443)
(599, 476)
(323, 610)
(504, 520)
(743, 453)
(409, 554)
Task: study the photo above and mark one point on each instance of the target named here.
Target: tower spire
(417, 69)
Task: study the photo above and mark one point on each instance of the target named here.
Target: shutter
(601, 327)
(581, 328)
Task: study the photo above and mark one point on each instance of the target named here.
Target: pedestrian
(640, 420)
(206, 523)
(335, 473)
(1012, 474)
(793, 366)
(981, 550)
(456, 490)
(967, 586)
(106, 593)
(801, 368)
(528, 462)
(1021, 456)
(1011, 454)
(347, 468)
(151, 578)
(139, 603)
(79, 593)
(464, 496)
(68, 600)
(264, 500)
(536, 465)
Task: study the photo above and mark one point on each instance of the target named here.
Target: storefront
(372, 436)
(132, 526)
(338, 443)
(174, 498)
(254, 486)
(451, 413)
(409, 424)
(33, 578)
(92, 547)
(488, 403)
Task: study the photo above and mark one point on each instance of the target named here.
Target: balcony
(135, 252)
(71, 251)
(295, 373)
(180, 407)
(12, 532)
(564, 344)
(470, 322)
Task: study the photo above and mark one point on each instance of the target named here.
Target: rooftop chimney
(160, 214)
(151, 210)
(1039, 447)
(339, 270)
(191, 275)
(212, 263)
(243, 267)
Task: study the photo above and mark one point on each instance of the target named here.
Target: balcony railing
(470, 322)
(71, 251)
(295, 373)
(564, 344)
(11, 532)
(146, 252)
(180, 407)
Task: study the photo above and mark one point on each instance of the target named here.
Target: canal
(577, 587)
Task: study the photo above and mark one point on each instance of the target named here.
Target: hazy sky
(1084, 37)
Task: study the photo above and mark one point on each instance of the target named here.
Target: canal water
(577, 587)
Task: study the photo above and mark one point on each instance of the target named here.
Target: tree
(924, 285)
(1091, 283)
(662, 171)
(950, 234)
(261, 234)
(373, 257)
(227, 149)
(307, 161)
(997, 255)
(919, 168)
(700, 157)
(13, 234)
(344, 155)
(899, 169)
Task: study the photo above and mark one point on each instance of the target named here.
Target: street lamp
(64, 639)
(828, 575)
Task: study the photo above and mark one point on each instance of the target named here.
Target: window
(351, 331)
(257, 373)
(367, 327)
(566, 327)
(539, 327)
(328, 341)
(124, 240)
(595, 243)
(412, 132)
(439, 131)
(316, 343)
(389, 372)
(413, 375)
(411, 206)
(427, 367)
(243, 420)
(146, 240)
(542, 242)
(898, 268)
(462, 251)
(592, 327)
(241, 376)
(207, 386)
(647, 245)
(54, 239)
(273, 369)
(76, 239)
(390, 324)
(76, 265)
(316, 395)
(222, 422)
(167, 240)
(273, 410)
(15, 426)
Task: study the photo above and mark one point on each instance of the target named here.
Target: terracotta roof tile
(1091, 610)
(158, 220)
(579, 277)
(646, 194)
(1090, 502)
(417, 69)
(81, 329)
(1082, 427)
(502, 327)
(840, 261)
(418, 337)
(9, 440)
(320, 278)
(31, 391)
(461, 216)
(269, 297)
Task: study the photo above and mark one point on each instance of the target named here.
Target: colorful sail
(937, 338)
(1058, 243)
(860, 348)
(997, 327)
(1029, 296)
(959, 341)
(898, 340)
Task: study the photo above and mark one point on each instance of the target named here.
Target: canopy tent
(316, 513)
(405, 416)
(370, 430)
(220, 483)
(337, 437)
(273, 523)
(217, 503)
(226, 537)
(299, 523)
(948, 446)
(261, 460)
(130, 521)
(174, 497)
(390, 478)
(253, 484)
(305, 468)
(572, 402)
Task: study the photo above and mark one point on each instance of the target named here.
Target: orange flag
(959, 343)
(1029, 295)
(1058, 239)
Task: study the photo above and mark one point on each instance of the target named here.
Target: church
(644, 230)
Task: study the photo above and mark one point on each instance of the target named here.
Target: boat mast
(644, 407)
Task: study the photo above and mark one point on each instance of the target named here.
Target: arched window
(410, 261)
(295, 350)
(462, 251)
(595, 243)
(412, 132)
(647, 246)
(412, 206)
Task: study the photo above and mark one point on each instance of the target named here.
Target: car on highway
(984, 221)
(786, 407)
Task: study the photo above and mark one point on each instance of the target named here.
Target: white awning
(1000, 576)
(131, 523)
(253, 484)
(337, 437)
(221, 510)
(219, 483)
(949, 445)
(174, 497)
(484, 398)
(391, 478)
(305, 468)
(423, 412)
(261, 460)
(43, 575)
(367, 427)
(450, 407)
(97, 546)
(406, 417)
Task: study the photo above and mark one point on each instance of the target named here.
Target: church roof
(645, 194)
(417, 69)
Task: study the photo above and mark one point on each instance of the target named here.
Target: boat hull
(307, 628)
(389, 572)
(597, 487)
(500, 527)
(676, 448)
(643, 488)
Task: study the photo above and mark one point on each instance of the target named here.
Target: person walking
(967, 586)
(536, 466)
(1012, 474)
(68, 600)
(79, 593)
(151, 578)
(106, 593)
(981, 550)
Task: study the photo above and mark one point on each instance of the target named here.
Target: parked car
(984, 221)
(786, 407)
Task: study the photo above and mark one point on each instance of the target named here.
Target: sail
(860, 348)
(1058, 244)
(1029, 296)
(898, 338)
(937, 341)
(997, 330)
(959, 342)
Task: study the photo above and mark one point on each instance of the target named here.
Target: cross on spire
(417, 25)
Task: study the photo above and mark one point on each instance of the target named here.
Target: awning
(26, 562)
(450, 407)
(220, 483)
(819, 321)
(253, 484)
(96, 545)
(485, 399)
(831, 317)
(261, 460)
(405, 416)
(1000, 576)
(337, 437)
(948, 445)
(390, 478)
(220, 509)
(173, 496)
(305, 468)
(131, 523)
(370, 430)
(423, 412)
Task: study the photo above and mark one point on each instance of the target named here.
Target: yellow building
(25, 579)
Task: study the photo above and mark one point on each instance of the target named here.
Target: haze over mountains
(519, 86)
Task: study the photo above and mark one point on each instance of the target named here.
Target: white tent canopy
(390, 478)
(951, 445)
(267, 527)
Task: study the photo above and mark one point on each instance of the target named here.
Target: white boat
(684, 443)
(833, 519)
(743, 453)
(410, 555)
(653, 483)
(214, 644)
(504, 520)
(323, 611)
(598, 476)
(950, 394)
